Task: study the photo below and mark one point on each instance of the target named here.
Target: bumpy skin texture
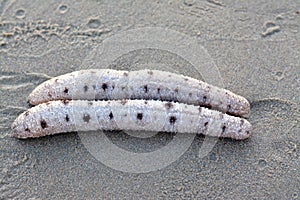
(78, 115)
(107, 84)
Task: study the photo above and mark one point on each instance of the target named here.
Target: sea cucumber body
(107, 84)
(79, 115)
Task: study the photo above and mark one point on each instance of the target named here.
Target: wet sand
(255, 47)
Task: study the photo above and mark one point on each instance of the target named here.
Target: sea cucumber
(108, 84)
(147, 115)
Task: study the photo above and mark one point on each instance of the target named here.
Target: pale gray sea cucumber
(108, 84)
(148, 115)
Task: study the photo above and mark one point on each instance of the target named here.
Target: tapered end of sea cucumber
(17, 130)
(245, 132)
(244, 107)
(20, 128)
(36, 96)
(239, 107)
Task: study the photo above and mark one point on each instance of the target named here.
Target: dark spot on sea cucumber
(242, 122)
(158, 90)
(66, 102)
(26, 113)
(94, 87)
(86, 88)
(247, 132)
(66, 90)
(123, 101)
(204, 98)
(44, 124)
(150, 72)
(205, 124)
(168, 105)
(123, 88)
(90, 103)
(228, 107)
(104, 86)
(176, 90)
(156, 98)
(113, 87)
(190, 94)
(27, 129)
(207, 106)
(145, 88)
(172, 119)
(200, 109)
(223, 129)
(139, 116)
(49, 94)
(86, 118)
(67, 118)
(111, 116)
(125, 115)
(186, 79)
(240, 130)
(56, 80)
(125, 74)
(146, 102)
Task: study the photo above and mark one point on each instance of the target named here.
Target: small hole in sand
(63, 9)
(93, 23)
(20, 14)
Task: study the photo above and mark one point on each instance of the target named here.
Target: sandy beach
(249, 47)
